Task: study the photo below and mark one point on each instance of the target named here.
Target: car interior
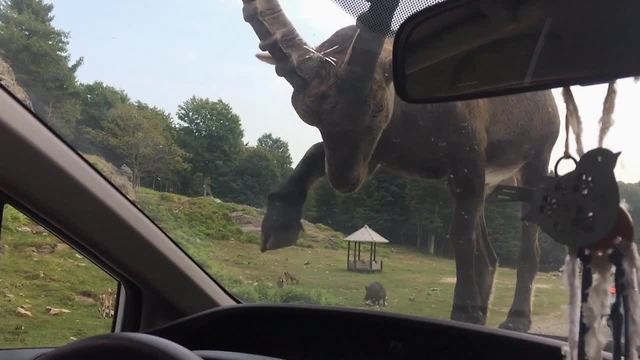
(169, 307)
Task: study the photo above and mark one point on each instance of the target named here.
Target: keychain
(582, 210)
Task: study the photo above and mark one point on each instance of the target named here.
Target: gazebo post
(354, 255)
(371, 255)
(348, 253)
(359, 251)
(374, 251)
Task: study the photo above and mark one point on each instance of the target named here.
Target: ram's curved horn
(279, 37)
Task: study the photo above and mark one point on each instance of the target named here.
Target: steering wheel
(121, 346)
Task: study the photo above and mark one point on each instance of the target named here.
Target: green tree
(279, 150)
(322, 203)
(503, 226)
(430, 206)
(39, 56)
(253, 177)
(381, 203)
(142, 137)
(630, 193)
(97, 101)
(212, 134)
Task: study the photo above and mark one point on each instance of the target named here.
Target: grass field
(37, 271)
(416, 283)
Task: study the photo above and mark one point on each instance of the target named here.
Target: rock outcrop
(118, 176)
(8, 80)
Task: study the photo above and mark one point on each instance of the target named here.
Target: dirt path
(551, 324)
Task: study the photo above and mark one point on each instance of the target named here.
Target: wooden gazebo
(364, 235)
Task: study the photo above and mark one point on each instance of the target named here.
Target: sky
(163, 52)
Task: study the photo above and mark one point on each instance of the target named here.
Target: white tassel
(573, 283)
(631, 264)
(596, 307)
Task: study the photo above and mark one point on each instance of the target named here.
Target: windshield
(170, 102)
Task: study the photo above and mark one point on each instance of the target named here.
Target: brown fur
(106, 303)
(346, 92)
(287, 278)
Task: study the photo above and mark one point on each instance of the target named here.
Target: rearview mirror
(462, 49)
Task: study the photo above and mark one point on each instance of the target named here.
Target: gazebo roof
(367, 235)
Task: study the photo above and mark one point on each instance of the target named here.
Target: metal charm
(577, 209)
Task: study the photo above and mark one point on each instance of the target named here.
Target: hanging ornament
(582, 210)
(578, 209)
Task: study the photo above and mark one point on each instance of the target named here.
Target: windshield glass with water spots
(339, 195)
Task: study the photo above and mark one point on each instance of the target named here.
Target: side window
(49, 294)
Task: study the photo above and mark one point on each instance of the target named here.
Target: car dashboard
(315, 332)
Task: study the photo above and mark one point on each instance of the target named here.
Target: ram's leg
(281, 224)
(468, 190)
(519, 317)
(486, 263)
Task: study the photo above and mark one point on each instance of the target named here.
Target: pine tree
(39, 56)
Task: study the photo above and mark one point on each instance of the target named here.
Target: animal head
(342, 87)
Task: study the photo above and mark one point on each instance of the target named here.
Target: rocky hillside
(232, 221)
(120, 177)
(8, 80)
(249, 220)
(195, 220)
